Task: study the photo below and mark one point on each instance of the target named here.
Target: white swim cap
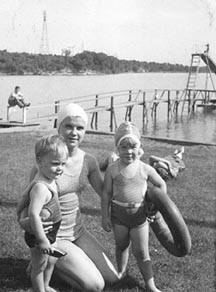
(127, 130)
(71, 110)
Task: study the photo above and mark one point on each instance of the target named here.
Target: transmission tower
(44, 46)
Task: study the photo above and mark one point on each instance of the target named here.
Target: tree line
(83, 63)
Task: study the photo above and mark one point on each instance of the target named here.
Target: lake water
(40, 90)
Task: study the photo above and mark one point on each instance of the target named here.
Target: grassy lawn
(193, 192)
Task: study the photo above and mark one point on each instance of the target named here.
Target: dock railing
(149, 100)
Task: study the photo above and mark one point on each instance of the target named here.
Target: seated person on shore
(169, 166)
(16, 98)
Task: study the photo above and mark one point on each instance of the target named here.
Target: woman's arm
(94, 176)
(105, 201)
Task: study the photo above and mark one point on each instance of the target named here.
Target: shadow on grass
(8, 204)
(128, 283)
(13, 274)
(90, 211)
(201, 223)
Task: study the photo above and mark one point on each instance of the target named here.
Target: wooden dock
(16, 124)
(175, 102)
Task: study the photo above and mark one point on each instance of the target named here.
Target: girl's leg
(38, 265)
(122, 241)
(89, 244)
(140, 249)
(77, 269)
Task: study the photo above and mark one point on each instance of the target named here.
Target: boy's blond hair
(52, 143)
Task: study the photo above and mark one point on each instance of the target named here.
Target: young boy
(123, 202)
(51, 155)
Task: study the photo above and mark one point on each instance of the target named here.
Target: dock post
(57, 106)
(144, 110)
(96, 113)
(189, 101)
(176, 104)
(168, 105)
(154, 108)
(128, 109)
(111, 114)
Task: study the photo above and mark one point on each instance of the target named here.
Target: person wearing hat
(123, 204)
(86, 265)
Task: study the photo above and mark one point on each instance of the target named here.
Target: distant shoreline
(89, 74)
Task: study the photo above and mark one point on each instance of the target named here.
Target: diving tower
(209, 62)
(192, 95)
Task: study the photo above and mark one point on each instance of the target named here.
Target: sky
(144, 30)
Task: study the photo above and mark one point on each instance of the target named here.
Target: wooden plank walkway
(17, 124)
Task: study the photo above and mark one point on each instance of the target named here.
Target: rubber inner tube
(169, 225)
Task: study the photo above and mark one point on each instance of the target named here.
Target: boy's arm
(25, 196)
(105, 201)
(39, 195)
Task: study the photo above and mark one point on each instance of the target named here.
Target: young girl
(123, 202)
(51, 155)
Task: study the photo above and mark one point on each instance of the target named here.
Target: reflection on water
(200, 127)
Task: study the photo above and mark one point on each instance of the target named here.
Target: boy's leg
(48, 273)
(19, 103)
(140, 248)
(39, 263)
(122, 240)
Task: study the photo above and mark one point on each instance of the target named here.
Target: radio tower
(44, 46)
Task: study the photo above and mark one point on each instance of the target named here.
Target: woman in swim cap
(86, 265)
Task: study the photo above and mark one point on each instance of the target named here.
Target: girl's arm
(95, 177)
(156, 179)
(106, 199)
(39, 195)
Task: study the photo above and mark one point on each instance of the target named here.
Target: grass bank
(193, 192)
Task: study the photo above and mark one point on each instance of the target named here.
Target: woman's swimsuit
(70, 185)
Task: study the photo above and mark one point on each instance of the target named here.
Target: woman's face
(73, 130)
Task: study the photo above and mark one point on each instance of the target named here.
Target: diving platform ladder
(191, 83)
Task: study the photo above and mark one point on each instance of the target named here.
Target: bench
(11, 109)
